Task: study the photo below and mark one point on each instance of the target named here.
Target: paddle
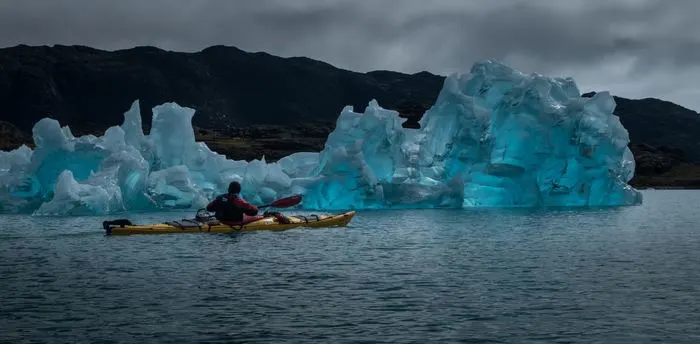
(284, 202)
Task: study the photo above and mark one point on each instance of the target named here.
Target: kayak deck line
(273, 223)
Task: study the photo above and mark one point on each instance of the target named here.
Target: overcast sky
(633, 48)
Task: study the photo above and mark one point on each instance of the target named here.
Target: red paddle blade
(286, 202)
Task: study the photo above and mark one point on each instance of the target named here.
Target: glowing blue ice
(494, 137)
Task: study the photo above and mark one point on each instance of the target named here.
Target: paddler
(230, 208)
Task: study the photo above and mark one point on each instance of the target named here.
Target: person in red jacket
(231, 208)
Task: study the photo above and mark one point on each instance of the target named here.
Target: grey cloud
(635, 48)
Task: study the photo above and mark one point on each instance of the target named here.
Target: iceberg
(495, 137)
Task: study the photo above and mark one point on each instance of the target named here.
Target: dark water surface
(628, 275)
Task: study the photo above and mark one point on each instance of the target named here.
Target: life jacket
(230, 208)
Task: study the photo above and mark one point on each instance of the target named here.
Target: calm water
(629, 275)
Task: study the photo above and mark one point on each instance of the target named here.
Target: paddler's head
(234, 187)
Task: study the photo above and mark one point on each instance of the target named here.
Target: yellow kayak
(125, 227)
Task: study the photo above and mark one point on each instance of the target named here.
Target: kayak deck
(125, 227)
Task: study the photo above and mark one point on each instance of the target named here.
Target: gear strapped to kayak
(185, 223)
(306, 219)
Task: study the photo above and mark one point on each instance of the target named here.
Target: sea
(610, 275)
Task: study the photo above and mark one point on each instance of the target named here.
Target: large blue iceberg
(495, 137)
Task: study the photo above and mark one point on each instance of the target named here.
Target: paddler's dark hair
(234, 187)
